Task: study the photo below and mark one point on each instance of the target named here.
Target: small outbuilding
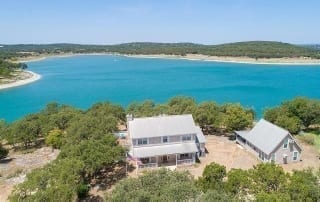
(270, 143)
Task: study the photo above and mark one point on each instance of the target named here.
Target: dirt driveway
(226, 152)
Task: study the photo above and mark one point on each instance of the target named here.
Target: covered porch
(164, 155)
(166, 160)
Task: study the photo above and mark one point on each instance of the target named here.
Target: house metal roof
(265, 136)
(158, 150)
(200, 135)
(162, 126)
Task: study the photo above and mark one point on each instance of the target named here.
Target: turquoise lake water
(84, 80)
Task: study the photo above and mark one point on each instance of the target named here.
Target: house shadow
(6, 160)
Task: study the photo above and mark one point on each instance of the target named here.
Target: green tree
(95, 154)
(268, 178)
(304, 186)
(55, 138)
(212, 177)
(214, 195)
(208, 115)
(25, 131)
(55, 182)
(274, 196)
(305, 109)
(158, 185)
(292, 124)
(237, 117)
(238, 182)
(181, 105)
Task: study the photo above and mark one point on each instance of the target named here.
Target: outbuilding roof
(149, 151)
(265, 136)
(162, 126)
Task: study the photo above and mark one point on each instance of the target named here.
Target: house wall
(280, 151)
(158, 140)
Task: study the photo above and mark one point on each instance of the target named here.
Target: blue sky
(202, 21)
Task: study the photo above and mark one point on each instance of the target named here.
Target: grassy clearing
(311, 138)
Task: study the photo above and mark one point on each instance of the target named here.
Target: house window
(186, 138)
(165, 139)
(285, 143)
(142, 141)
(145, 160)
(295, 156)
(273, 157)
(184, 155)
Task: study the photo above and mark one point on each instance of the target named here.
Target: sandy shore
(24, 77)
(245, 60)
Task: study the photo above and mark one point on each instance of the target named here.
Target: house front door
(285, 159)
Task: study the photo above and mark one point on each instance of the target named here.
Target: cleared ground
(226, 152)
(13, 171)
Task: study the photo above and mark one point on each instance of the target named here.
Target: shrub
(3, 152)
(82, 190)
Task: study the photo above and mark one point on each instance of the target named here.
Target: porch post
(176, 159)
(137, 166)
(193, 157)
(157, 161)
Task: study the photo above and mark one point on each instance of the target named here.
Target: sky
(197, 21)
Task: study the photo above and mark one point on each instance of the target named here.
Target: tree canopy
(296, 114)
(252, 49)
(159, 185)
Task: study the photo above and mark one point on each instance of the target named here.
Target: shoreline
(34, 77)
(193, 57)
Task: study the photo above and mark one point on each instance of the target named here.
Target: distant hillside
(253, 49)
(312, 46)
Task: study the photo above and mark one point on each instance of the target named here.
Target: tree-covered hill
(253, 49)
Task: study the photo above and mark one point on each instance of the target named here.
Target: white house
(165, 141)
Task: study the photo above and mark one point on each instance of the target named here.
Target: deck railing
(148, 165)
(185, 162)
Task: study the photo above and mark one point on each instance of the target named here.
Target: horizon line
(114, 44)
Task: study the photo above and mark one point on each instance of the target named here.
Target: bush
(3, 152)
(82, 190)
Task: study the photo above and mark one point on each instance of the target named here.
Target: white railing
(148, 165)
(185, 162)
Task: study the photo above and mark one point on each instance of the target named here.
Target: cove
(84, 80)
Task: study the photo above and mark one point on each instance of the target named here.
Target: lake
(84, 80)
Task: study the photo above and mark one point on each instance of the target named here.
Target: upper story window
(285, 143)
(142, 141)
(186, 138)
(164, 139)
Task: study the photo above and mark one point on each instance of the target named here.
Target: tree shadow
(110, 175)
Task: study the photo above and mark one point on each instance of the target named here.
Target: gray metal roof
(162, 126)
(200, 135)
(181, 148)
(265, 136)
